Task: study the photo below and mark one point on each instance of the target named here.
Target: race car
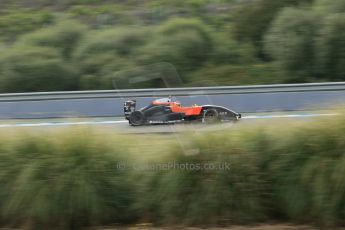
(167, 111)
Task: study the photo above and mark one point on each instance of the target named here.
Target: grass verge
(87, 177)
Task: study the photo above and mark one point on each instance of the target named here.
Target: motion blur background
(82, 44)
(69, 177)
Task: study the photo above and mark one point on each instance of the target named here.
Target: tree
(329, 6)
(17, 22)
(230, 51)
(31, 69)
(184, 43)
(290, 42)
(253, 19)
(104, 52)
(331, 48)
(64, 37)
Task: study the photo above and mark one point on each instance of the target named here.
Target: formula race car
(166, 111)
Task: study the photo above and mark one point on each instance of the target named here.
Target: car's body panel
(188, 111)
(165, 111)
(224, 113)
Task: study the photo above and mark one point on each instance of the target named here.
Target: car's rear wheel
(137, 118)
(210, 116)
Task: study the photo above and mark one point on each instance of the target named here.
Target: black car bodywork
(163, 113)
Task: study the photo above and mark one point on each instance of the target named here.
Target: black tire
(137, 118)
(210, 116)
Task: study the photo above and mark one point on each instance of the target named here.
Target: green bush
(108, 50)
(103, 53)
(307, 43)
(252, 19)
(329, 6)
(230, 52)
(301, 39)
(290, 41)
(30, 69)
(186, 51)
(331, 47)
(213, 75)
(121, 42)
(64, 36)
(17, 22)
(185, 43)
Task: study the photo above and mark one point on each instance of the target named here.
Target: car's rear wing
(129, 107)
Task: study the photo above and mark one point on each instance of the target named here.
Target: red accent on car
(188, 111)
(176, 108)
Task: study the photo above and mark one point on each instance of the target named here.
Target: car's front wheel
(210, 116)
(137, 118)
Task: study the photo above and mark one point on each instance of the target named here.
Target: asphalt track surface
(122, 125)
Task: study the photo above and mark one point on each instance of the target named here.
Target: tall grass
(307, 173)
(64, 181)
(230, 192)
(71, 179)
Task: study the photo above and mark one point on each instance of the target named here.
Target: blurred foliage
(308, 43)
(331, 45)
(291, 42)
(64, 37)
(255, 17)
(325, 6)
(64, 182)
(105, 52)
(16, 22)
(26, 69)
(208, 197)
(69, 179)
(214, 75)
(223, 42)
(183, 42)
